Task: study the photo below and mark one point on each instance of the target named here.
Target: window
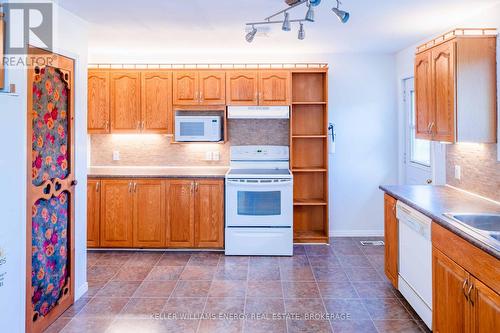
(420, 150)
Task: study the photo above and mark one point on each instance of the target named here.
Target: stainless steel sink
(488, 224)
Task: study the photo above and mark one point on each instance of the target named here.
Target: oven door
(259, 202)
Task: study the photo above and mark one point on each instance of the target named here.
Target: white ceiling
(170, 26)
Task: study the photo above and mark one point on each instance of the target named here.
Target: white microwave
(198, 128)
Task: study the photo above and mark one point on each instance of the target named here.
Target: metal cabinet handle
(106, 125)
(142, 125)
(135, 187)
(464, 286)
(430, 128)
(130, 187)
(469, 296)
(192, 187)
(97, 187)
(196, 187)
(138, 125)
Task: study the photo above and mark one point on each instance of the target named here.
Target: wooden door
(98, 101)
(391, 240)
(116, 213)
(180, 220)
(242, 88)
(485, 305)
(156, 102)
(212, 87)
(274, 88)
(449, 305)
(149, 213)
(443, 82)
(209, 213)
(93, 212)
(125, 101)
(424, 111)
(50, 234)
(186, 88)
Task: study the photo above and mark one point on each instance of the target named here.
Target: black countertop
(434, 201)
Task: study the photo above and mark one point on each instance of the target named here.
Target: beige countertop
(157, 172)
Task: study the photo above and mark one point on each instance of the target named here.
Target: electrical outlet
(116, 155)
(208, 156)
(216, 155)
(458, 172)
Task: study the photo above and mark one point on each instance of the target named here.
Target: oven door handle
(260, 182)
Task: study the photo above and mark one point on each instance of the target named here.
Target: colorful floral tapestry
(50, 126)
(49, 254)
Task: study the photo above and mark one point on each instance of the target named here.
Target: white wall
(71, 39)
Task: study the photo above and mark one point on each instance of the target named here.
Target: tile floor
(336, 288)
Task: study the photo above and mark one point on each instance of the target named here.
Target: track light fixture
(302, 33)
(343, 16)
(251, 34)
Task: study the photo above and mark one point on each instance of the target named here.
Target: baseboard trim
(81, 290)
(356, 233)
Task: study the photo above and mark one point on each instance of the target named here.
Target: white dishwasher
(415, 260)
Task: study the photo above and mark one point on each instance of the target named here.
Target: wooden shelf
(309, 119)
(309, 170)
(308, 136)
(310, 236)
(309, 103)
(309, 202)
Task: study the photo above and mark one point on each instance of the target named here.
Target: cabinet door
(209, 213)
(180, 221)
(212, 88)
(443, 81)
(391, 240)
(449, 305)
(274, 88)
(149, 213)
(423, 95)
(93, 212)
(125, 101)
(156, 102)
(186, 88)
(116, 213)
(242, 88)
(485, 305)
(98, 102)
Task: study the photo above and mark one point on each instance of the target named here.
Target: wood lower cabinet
(149, 213)
(156, 102)
(391, 232)
(93, 212)
(117, 209)
(98, 102)
(485, 308)
(125, 101)
(209, 213)
(180, 221)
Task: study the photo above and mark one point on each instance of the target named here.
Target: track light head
(310, 13)
(302, 32)
(251, 35)
(286, 22)
(343, 16)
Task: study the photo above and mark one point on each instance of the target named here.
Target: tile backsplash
(158, 150)
(480, 168)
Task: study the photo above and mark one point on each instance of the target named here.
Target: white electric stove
(259, 202)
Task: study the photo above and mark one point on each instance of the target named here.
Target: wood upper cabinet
(117, 208)
(485, 308)
(149, 213)
(93, 212)
(180, 211)
(443, 80)
(212, 87)
(209, 213)
(186, 88)
(391, 240)
(449, 284)
(125, 101)
(156, 103)
(423, 96)
(274, 88)
(455, 87)
(98, 101)
(242, 87)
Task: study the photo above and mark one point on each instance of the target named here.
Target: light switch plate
(458, 172)
(116, 155)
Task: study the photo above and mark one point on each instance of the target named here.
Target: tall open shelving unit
(309, 154)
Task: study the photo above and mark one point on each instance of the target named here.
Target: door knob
(74, 182)
(429, 181)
